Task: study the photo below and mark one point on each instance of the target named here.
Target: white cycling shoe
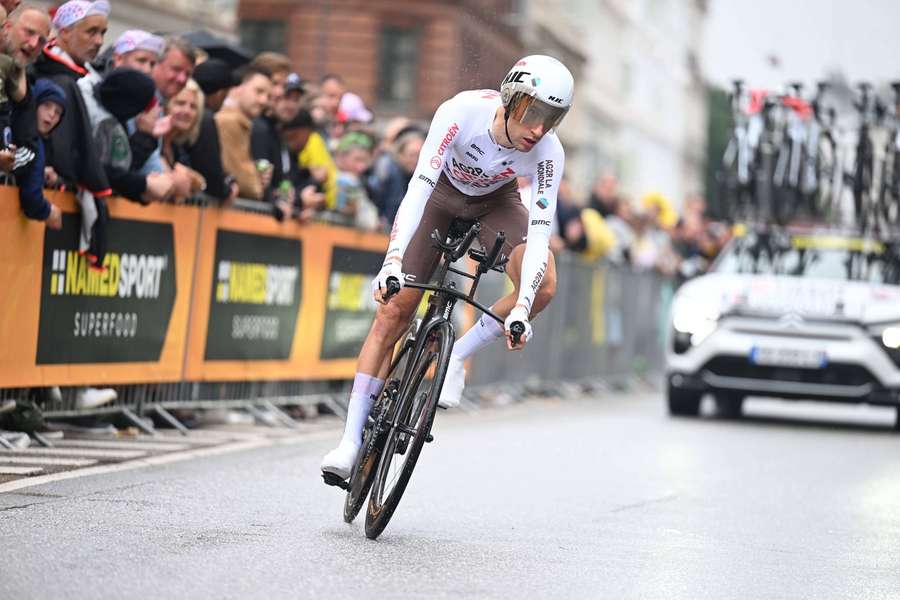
(340, 460)
(454, 383)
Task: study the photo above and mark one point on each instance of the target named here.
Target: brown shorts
(501, 210)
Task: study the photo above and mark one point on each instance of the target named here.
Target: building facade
(400, 56)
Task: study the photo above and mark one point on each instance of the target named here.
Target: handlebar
(516, 329)
(393, 287)
(456, 250)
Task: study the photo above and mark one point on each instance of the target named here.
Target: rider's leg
(486, 330)
(391, 321)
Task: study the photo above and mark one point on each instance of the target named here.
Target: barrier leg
(282, 416)
(5, 444)
(137, 421)
(171, 420)
(261, 416)
(41, 439)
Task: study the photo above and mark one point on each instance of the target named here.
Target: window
(263, 36)
(398, 61)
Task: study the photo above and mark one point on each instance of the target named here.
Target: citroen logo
(791, 320)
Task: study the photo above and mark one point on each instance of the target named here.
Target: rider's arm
(441, 135)
(544, 186)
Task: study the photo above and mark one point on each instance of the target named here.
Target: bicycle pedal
(335, 480)
(429, 439)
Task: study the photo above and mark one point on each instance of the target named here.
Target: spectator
(352, 115)
(621, 225)
(80, 27)
(9, 6)
(111, 102)
(605, 195)
(569, 232)
(651, 249)
(316, 157)
(332, 90)
(141, 51)
(234, 123)
(13, 88)
(170, 75)
(186, 112)
(51, 104)
(353, 158)
(392, 173)
(22, 37)
(310, 198)
(215, 78)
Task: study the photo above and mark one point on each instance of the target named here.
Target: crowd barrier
(200, 304)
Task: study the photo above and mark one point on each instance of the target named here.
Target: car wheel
(729, 405)
(683, 403)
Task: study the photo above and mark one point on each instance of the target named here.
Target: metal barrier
(604, 323)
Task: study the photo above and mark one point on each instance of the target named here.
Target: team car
(791, 314)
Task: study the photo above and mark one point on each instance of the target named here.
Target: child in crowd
(353, 157)
(50, 100)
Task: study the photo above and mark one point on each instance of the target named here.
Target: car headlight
(694, 319)
(889, 336)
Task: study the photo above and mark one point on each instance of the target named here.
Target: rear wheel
(683, 403)
(410, 428)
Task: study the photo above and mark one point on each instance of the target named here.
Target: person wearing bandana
(80, 26)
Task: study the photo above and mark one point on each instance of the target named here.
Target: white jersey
(460, 144)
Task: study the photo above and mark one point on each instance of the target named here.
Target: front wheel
(683, 403)
(409, 429)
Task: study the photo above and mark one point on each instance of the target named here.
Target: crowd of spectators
(645, 235)
(153, 119)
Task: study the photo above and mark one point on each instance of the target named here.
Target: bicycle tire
(366, 466)
(420, 414)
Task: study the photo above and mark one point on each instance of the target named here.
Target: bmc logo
(516, 77)
(555, 99)
(541, 222)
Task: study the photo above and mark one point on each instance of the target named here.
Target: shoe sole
(343, 474)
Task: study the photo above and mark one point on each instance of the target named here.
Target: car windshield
(838, 257)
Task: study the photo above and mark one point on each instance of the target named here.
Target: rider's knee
(391, 317)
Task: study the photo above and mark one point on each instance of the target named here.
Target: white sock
(482, 333)
(364, 386)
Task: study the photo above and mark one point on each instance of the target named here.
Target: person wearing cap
(139, 50)
(266, 143)
(80, 26)
(112, 101)
(215, 78)
(309, 199)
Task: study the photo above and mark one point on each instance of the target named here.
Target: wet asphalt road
(592, 498)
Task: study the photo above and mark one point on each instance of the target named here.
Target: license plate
(788, 357)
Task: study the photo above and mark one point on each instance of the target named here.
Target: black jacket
(69, 149)
(205, 157)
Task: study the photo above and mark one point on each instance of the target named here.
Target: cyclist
(479, 142)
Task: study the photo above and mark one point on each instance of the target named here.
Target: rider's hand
(390, 268)
(518, 313)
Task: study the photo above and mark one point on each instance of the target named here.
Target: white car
(788, 314)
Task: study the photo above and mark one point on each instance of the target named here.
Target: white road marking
(20, 470)
(164, 459)
(92, 453)
(120, 445)
(36, 460)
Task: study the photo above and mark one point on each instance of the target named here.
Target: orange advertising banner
(65, 324)
(270, 297)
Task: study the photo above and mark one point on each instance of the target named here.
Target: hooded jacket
(31, 177)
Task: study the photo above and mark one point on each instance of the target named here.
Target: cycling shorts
(500, 210)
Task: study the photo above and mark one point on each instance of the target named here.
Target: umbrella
(217, 47)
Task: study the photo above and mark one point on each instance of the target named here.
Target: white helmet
(538, 89)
